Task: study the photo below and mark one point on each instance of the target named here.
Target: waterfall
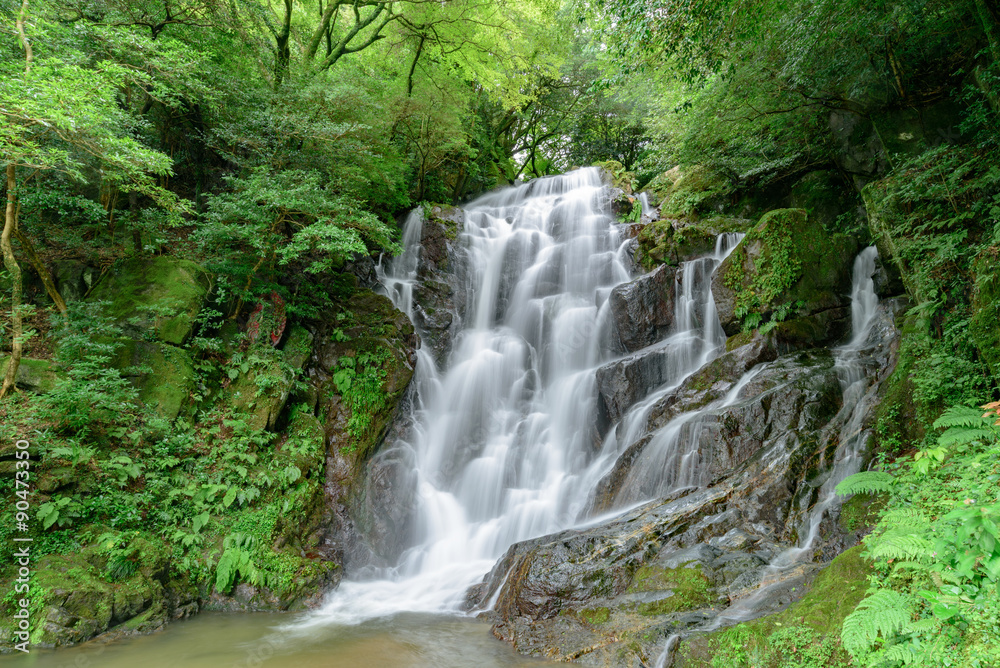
(503, 440)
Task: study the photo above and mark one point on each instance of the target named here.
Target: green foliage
(359, 381)
(94, 397)
(936, 549)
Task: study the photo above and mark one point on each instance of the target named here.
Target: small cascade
(847, 428)
(670, 461)
(644, 203)
(398, 275)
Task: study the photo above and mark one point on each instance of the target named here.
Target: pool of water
(272, 641)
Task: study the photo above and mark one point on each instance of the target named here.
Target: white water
(503, 438)
(847, 458)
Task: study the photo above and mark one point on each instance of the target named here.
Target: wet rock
(643, 310)
(622, 383)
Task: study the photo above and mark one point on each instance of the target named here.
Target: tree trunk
(989, 16)
(9, 225)
(43, 271)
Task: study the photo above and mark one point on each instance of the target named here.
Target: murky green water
(258, 640)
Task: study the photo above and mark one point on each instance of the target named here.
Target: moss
(689, 589)
(696, 192)
(618, 175)
(809, 627)
(34, 375)
(261, 391)
(164, 294)
(861, 511)
(767, 271)
(163, 374)
(668, 242)
(984, 325)
(738, 340)
(595, 615)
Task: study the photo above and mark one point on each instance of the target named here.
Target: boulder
(984, 325)
(39, 376)
(163, 374)
(673, 241)
(826, 197)
(643, 310)
(162, 295)
(73, 278)
(620, 384)
(788, 262)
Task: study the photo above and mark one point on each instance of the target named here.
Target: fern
(884, 613)
(868, 482)
(899, 545)
(961, 416)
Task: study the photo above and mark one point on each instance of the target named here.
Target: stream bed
(217, 640)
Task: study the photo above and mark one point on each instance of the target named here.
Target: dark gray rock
(643, 310)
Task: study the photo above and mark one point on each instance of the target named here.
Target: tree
(64, 116)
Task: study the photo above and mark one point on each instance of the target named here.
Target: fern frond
(870, 482)
(883, 613)
(898, 654)
(899, 545)
(908, 518)
(960, 416)
(966, 435)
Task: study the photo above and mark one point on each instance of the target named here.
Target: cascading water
(503, 439)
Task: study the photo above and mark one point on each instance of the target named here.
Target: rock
(369, 495)
(695, 192)
(788, 261)
(163, 374)
(659, 188)
(621, 204)
(262, 391)
(857, 147)
(984, 325)
(39, 376)
(73, 279)
(826, 197)
(622, 383)
(673, 241)
(643, 310)
(162, 294)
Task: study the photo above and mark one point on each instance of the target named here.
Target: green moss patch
(689, 589)
(163, 295)
(805, 635)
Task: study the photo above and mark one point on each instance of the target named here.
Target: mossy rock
(811, 624)
(162, 294)
(696, 192)
(261, 393)
(39, 376)
(984, 325)
(668, 241)
(163, 374)
(826, 197)
(617, 175)
(787, 261)
(659, 188)
(686, 588)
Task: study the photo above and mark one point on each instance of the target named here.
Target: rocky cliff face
(613, 594)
